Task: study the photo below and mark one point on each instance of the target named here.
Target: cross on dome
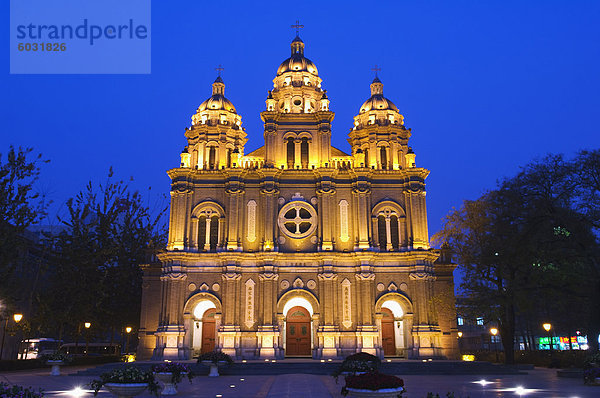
(376, 69)
(219, 69)
(297, 26)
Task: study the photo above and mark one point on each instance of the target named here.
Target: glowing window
(460, 321)
(480, 321)
(297, 219)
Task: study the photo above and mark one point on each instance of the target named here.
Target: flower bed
(8, 391)
(178, 370)
(125, 375)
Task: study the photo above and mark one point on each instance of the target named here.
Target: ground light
(520, 390)
(483, 382)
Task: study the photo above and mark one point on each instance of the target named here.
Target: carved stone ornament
(192, 286)
(281, 240)
(392, 287)
(404, 287)
(313, 240)
(268, 276)
(298, 283)
(421, 276)
(281, 200)
(365, 276)
(285, 284)
(216, 287)
(311, 284)
(314, 200)
(174, 276)
(204, 287)
(231, 276)
(380, 287)
(325, 276)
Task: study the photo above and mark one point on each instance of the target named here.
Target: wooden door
(388, 336)
(208, 331)
(297, 334)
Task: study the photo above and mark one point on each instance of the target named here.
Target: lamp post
(547, 326)
(460, 335)
(87, 326)
(128, 330)
(17, 318)
(494, 332)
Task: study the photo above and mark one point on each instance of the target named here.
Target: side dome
(297, 62)
(377, 101)
(217, 101)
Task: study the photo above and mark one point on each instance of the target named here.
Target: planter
(383, 393)
(55, 371)
(214, 367)
(123, 390)
(167, 379)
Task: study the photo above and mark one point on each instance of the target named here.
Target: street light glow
(87, 325)
(459, 335)
(17, 317)
(494, 331)
(547, 326)
(128, 329)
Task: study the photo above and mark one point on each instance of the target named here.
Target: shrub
(215, 356)
(126, 374)
(8, 391)
(177, 369)
(359, 362)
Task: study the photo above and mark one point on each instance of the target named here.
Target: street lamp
(17, 317)
(87, 326)
(128, 330)
(547, 326)
(460, 334)
(494, 332)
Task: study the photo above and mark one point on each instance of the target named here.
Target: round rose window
(297, 219)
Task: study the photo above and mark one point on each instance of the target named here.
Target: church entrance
(297, 335)
(208, 331)
(388, 339)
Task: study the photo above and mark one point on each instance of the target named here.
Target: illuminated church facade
(297, 248)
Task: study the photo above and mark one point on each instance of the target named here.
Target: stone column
(229, 328)
(362, 209)
(268, 332)
(170, 334)
(269, 192)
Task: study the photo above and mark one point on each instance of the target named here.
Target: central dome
(297, 62)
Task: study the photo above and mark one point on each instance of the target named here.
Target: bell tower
(216, 138)
(379, 139)
(297, 119)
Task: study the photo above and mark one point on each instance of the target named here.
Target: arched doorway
(298, 332)
(208, 331)
(203, 327)
(388, 335)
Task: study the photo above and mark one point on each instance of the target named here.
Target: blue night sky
(485, 86)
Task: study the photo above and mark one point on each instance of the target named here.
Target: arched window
(214, 232)
(394, 232)
(383, 155)
(291, 153)
(211, 157)
(304, 153)
(211, 225)
(390, 224)
(382, 232)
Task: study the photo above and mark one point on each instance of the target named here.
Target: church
(298, 249)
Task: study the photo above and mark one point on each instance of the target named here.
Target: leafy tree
(110, 231)
(522, 247)
(20, 206)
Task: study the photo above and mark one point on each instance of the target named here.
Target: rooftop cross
(297, 26)
(219, 69)
(376, 69)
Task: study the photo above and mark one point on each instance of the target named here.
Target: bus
(95, 349)
(36, 348)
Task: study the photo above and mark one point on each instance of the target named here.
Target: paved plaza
(536, 383)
